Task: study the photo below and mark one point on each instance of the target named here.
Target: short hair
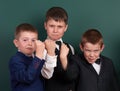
(57, 13)
(24, 27)
(92, 36)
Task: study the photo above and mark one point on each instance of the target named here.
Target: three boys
(65, 72)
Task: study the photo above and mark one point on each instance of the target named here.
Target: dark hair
(92, 36)
(57, 13)
(24, 27)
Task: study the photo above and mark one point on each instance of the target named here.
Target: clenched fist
(50, 46)
(40, 47)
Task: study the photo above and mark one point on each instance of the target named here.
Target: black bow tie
(97, 61)
(58, 43)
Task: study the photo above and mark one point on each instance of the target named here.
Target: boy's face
(91, 51)
(55, 29)
(26, 42)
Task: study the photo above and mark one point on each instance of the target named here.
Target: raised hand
(64, 51)
(50, 46)
(40, 47)
(63, 55)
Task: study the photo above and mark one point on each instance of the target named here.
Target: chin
(91, 61)
(29, 54)
(55, 38)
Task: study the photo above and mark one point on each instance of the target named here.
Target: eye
(60, 26)
(96, 51)
(33, 40)
(24, 39)
(51, 25)
(87, 50)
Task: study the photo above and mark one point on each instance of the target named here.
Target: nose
(55, 29)
(30, 42)
(91, 54)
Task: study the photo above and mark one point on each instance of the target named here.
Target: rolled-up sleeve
(48, 67)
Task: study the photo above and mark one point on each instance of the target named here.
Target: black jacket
(89, 80)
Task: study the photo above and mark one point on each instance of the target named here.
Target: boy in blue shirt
(25, 66)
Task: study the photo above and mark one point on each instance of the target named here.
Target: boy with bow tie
(97, 72)
(65, 71)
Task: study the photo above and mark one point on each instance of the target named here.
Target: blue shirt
(25, 73)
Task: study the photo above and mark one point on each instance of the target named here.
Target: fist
(50, 46)
(64, 50)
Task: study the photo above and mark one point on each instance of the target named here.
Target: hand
(40, 47)
(64, 51)
(50, 46)
(63, 55)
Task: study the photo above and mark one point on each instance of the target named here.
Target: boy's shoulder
(106, 59)
(18, 56)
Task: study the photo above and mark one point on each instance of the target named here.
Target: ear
(15, 41)
(81, 47)
(66, 28)
(45, 25)
(103, 46)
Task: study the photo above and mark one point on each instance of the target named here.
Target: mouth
(91, 59)
(29, 48)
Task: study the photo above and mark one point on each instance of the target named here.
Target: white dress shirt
(50, 63)
(97, 67)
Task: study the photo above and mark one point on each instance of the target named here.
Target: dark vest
(59, 68)
(58, 81)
